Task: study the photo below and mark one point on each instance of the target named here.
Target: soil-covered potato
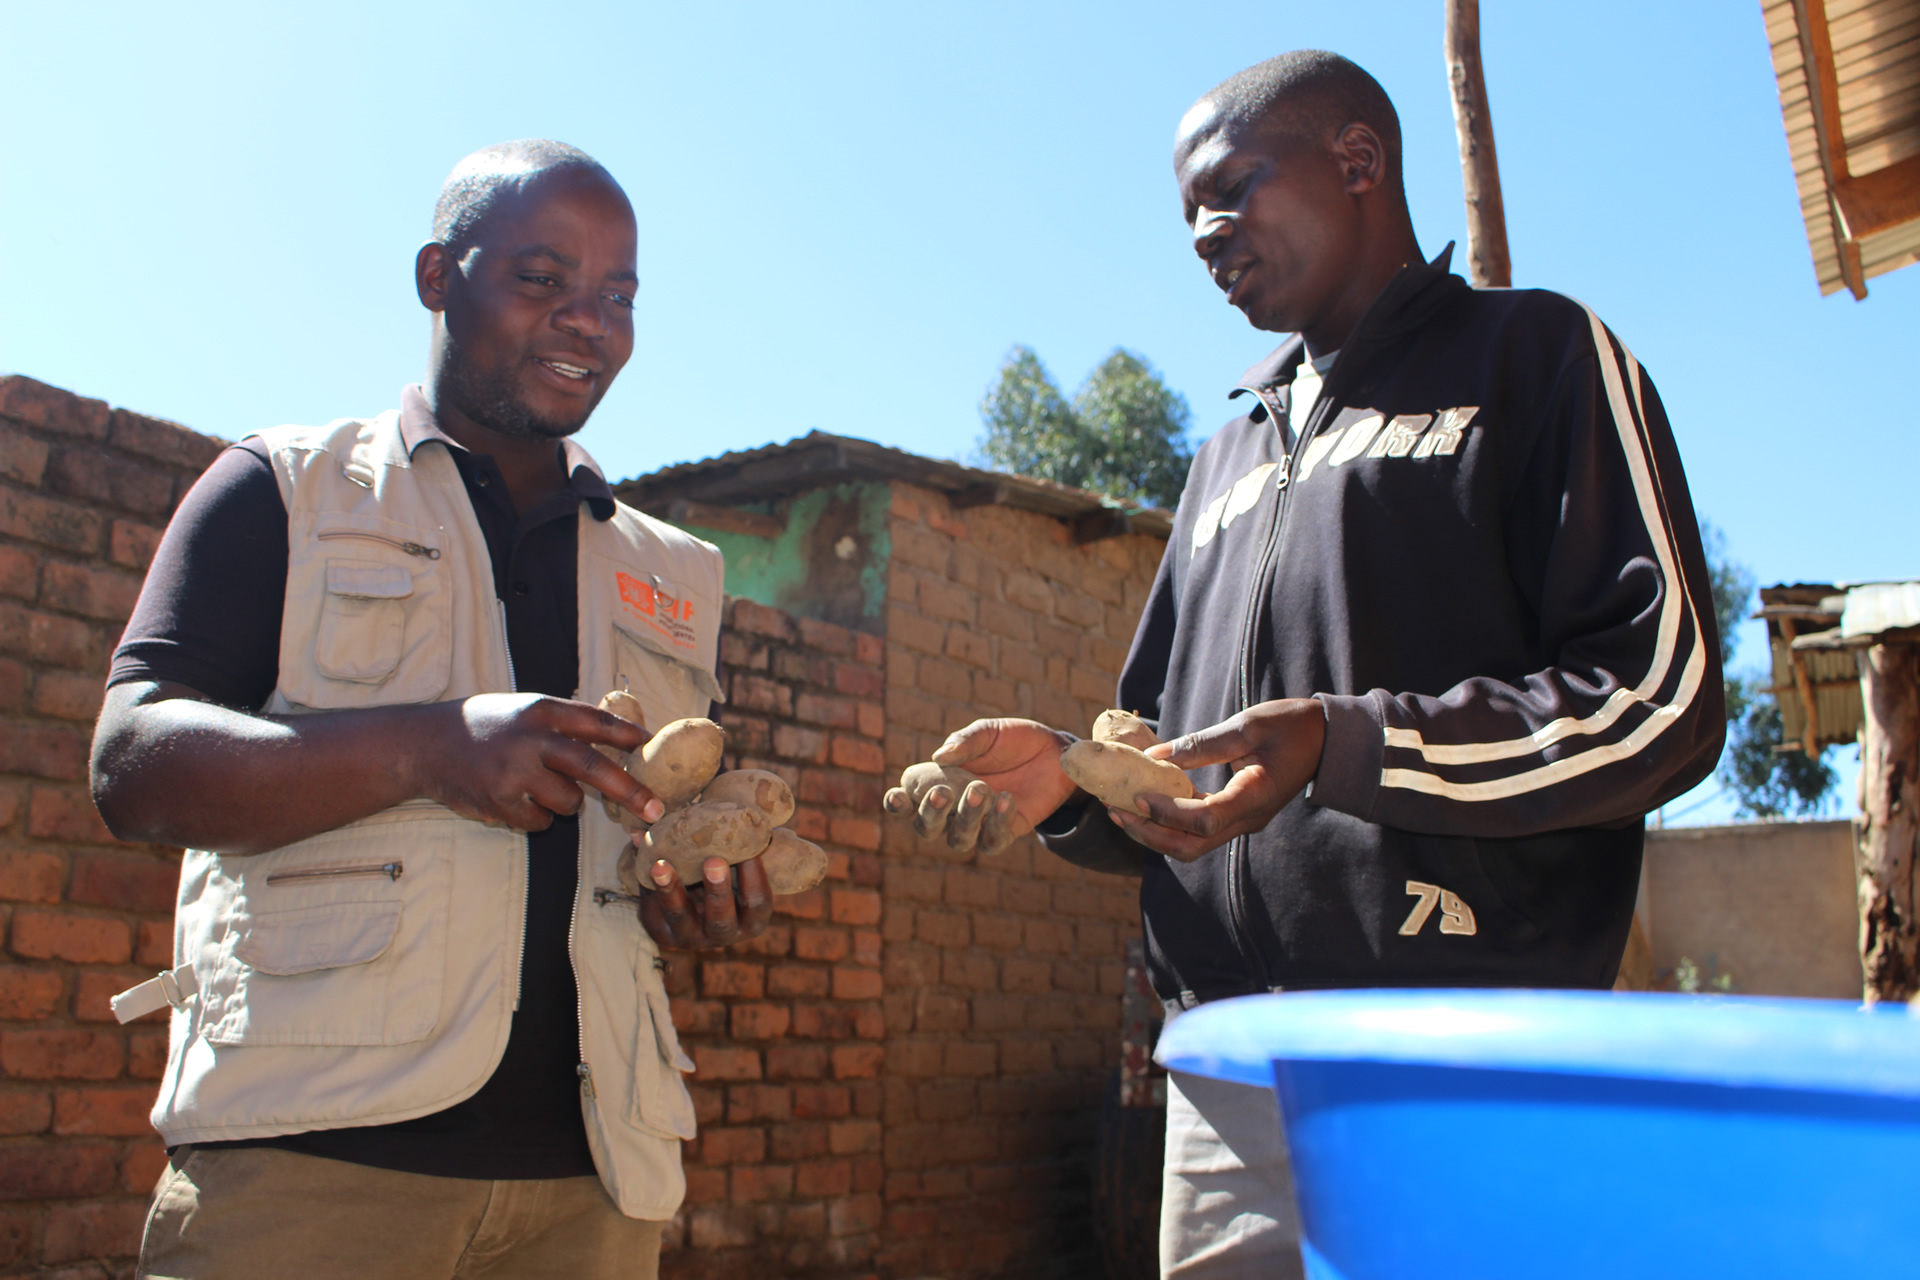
(1117, 774)
(677, 763)
(1125, 728)
(623, 704)
(755, 788)
(688, 836)
(793, 865)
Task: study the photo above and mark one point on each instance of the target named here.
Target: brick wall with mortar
(1003, 974)
(84, 493)
(787, 1031)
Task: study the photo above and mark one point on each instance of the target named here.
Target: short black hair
(469, 192)
(1310, 93)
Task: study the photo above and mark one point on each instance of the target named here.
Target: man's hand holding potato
(1017, 779)
(1273, 750)
(1016, 782)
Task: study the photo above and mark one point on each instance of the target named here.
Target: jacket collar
(1409, 301)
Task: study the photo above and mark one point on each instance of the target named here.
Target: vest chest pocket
(369, 616)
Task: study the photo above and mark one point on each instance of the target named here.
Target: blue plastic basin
(1576, 1134)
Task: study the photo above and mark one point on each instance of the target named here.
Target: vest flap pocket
(656, 668)
(675, 620)
(365, 581)
(370, 624)
(285, 943)
(338, 940)
(661, 1103)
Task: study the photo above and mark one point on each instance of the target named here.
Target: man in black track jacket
(1432, 634)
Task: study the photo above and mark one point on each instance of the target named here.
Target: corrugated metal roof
(1880, 606)
(818, 458)
(1871, 160)
(1816, 632)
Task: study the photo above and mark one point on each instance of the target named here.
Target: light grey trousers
(1227, 1208)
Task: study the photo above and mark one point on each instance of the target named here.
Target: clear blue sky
(848, 212)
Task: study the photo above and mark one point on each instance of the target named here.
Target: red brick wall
(788, 1030)
(84, 492)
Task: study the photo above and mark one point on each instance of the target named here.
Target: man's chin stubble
(493, 403)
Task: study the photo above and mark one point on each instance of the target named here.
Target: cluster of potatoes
(1112, 766)
(736, 815)
(741, 814)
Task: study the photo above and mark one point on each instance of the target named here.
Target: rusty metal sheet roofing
(1875, 48)
(1815, 634)
(819, 458)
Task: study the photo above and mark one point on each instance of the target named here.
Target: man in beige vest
(417, 1029)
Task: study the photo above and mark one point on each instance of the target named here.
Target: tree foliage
(1123, 435)
(1766, 783)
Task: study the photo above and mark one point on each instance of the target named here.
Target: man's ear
(1362, 158)
(431, 267)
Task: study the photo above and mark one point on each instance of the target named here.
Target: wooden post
(1803, 685)
(1487, 259)
(1890, 830)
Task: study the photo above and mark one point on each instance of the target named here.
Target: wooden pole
(1487, 260)
(1890, 831)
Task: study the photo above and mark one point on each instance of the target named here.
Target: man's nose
(1211, 229)
(584, 315)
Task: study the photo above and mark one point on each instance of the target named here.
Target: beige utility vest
(369, 974)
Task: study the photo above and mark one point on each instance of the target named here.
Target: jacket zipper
(411, 548)
(1239, 851)
(391, 870)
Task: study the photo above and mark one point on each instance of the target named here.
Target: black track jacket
(1481, 556)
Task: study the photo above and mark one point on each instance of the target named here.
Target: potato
(623, 704)
(688, 836)
(1125, 728)
(755, 788)
(947, 801)
(793, 865)
(677, 763)
(1117, 774)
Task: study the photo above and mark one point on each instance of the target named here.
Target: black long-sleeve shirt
(1480, 554)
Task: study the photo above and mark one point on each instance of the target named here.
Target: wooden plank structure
(1849, 78)
(1846, 667)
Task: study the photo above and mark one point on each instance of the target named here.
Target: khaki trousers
(251, 1212)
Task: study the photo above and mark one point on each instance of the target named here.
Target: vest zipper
(1240, 850)
(526, 895)
(391, 870)
(573, 928)
(411, 548)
